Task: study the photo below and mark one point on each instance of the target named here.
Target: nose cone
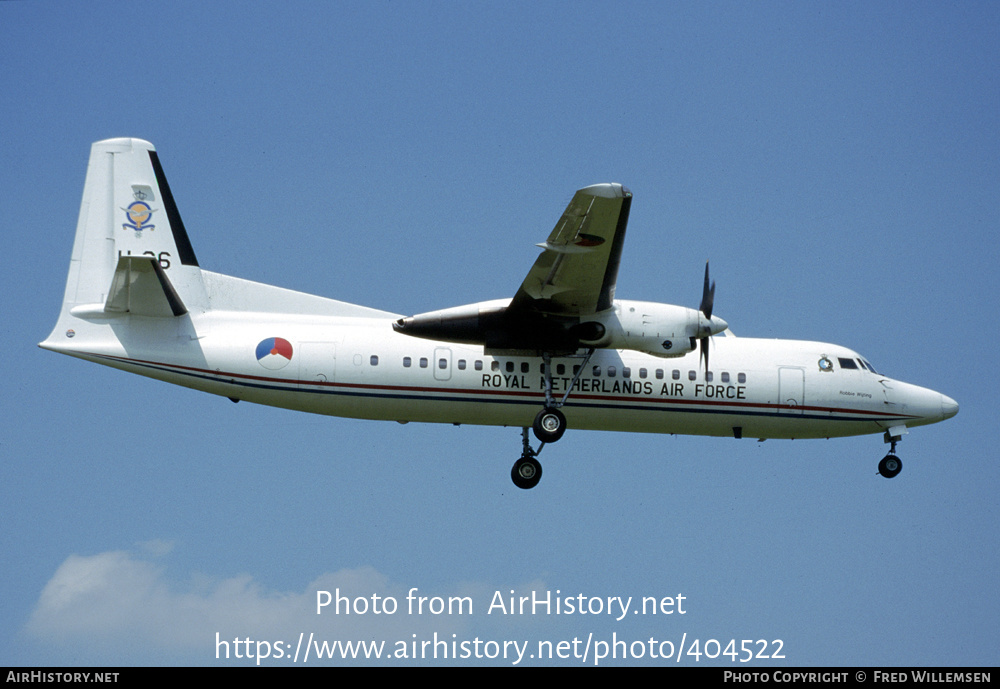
(922, 405)
(949, 407)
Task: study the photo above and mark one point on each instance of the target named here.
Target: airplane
(562, 353)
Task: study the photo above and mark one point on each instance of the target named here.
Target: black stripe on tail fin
(184, 248)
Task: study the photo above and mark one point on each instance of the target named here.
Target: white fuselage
(359, 367)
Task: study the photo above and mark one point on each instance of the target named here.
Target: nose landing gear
(891, 465)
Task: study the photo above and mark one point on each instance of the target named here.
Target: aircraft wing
(572, 281)
(576, 273)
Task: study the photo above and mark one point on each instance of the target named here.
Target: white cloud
(119, 601)
(122, 606)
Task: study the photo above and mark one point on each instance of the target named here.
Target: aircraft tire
(527, 472)
(890, 466)
(549, 425)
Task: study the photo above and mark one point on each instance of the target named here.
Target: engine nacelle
(663, 330)
(659, 329)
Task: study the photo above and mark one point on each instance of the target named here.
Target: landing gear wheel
(549, 425)
(890, 466)
(527, 472)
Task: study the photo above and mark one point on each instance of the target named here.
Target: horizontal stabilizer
(141, 287)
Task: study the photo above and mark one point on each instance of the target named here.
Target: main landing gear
(548, 426)
(527, 471)
(891, 464)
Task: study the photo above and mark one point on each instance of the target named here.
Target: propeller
(707, 302)
(707, 296)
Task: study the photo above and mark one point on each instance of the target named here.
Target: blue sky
(838, 163)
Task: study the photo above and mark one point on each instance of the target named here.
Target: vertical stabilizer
(128, 219)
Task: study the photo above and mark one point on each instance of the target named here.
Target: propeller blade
(707, 295)
(707, 302)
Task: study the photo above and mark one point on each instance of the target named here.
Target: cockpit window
(868, 365)
(847, 363)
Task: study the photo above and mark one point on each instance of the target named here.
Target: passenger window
(725, 377)
(510, 367)
(642, 373)
(407, 361)
(742, 378)
(708, 376)
(692, 375)
(659, 374)
(626, 372)
(494, 365)
(612, 371)
(461, 364)
(374, 360)
(597, 370)
(676, 375)
(479, 365)
(525, 367)
(442, 364)
(560, 369)
(423, 362)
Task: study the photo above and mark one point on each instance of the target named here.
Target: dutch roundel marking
(274, 353)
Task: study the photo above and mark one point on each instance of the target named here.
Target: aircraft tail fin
(132, 257)
(131, 254)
